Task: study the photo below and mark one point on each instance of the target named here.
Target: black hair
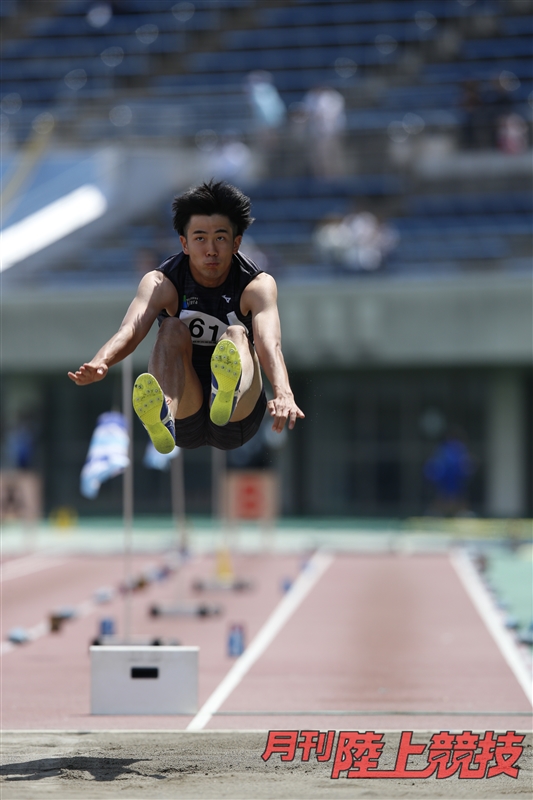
(215, 197)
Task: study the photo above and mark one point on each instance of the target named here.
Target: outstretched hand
(282, 409)
(89, 373)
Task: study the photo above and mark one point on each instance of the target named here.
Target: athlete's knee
(236, 333)
(175, 334)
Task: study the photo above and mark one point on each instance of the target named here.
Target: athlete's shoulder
(248, 267)
(262, 283)
(259, 294)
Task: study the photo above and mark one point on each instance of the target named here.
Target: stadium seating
(321, 13)
(182, 68)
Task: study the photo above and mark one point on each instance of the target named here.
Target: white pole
(127, 491)
(177, 483)
(220, 508)
(218, 467)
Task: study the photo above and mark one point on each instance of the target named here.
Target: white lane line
(482, 601)
(26, 565)
(315, 568)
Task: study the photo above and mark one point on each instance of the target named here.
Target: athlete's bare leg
(171, 365)
(251, 382)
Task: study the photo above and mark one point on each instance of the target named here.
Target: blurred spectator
(488, 119)
(449, 468)
(268, 108)
(497, 105)
(512, 134)
(232, 160)
(326, 123)
(474, 118)
(295, 143)
(20, 446)
(359, 241)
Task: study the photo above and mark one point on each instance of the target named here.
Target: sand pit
(209, 764)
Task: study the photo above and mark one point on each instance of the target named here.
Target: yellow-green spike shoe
(226, 373)
(151, 407)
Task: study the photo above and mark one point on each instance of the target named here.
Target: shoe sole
(148, 399)
(226, 367)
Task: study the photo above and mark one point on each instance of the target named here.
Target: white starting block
(143, 679)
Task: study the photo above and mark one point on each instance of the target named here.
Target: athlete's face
(210, 244)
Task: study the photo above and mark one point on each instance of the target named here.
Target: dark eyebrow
(218, 230)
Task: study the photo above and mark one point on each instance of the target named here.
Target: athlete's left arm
(260, 298)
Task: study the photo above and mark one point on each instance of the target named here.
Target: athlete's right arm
(155, 293)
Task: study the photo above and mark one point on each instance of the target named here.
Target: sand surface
(211, 764)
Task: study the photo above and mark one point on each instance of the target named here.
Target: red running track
(392, 637)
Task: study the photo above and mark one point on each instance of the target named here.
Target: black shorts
(198, 430)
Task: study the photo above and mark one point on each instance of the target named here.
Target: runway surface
(374, 641)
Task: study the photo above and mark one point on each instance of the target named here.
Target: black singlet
(207, 312)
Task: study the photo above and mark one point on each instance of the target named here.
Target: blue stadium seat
(306, 208)
(496, 202)
(8, 8)
(287, 80)
(296, 58)
(406, 98)
(501, 224)
(311, 36)
(511, 47)
(379, 119)
(430, 249)
(384, 12)
(282, 233)
(174, 84)
(56, 68)
(88, 46)
(120, 24)
(341, 187)
(481, 70)
(517, 26)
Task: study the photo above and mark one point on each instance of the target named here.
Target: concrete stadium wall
(479, 320)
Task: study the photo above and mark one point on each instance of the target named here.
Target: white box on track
(143, 679)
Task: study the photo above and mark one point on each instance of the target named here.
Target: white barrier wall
(141, 679)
